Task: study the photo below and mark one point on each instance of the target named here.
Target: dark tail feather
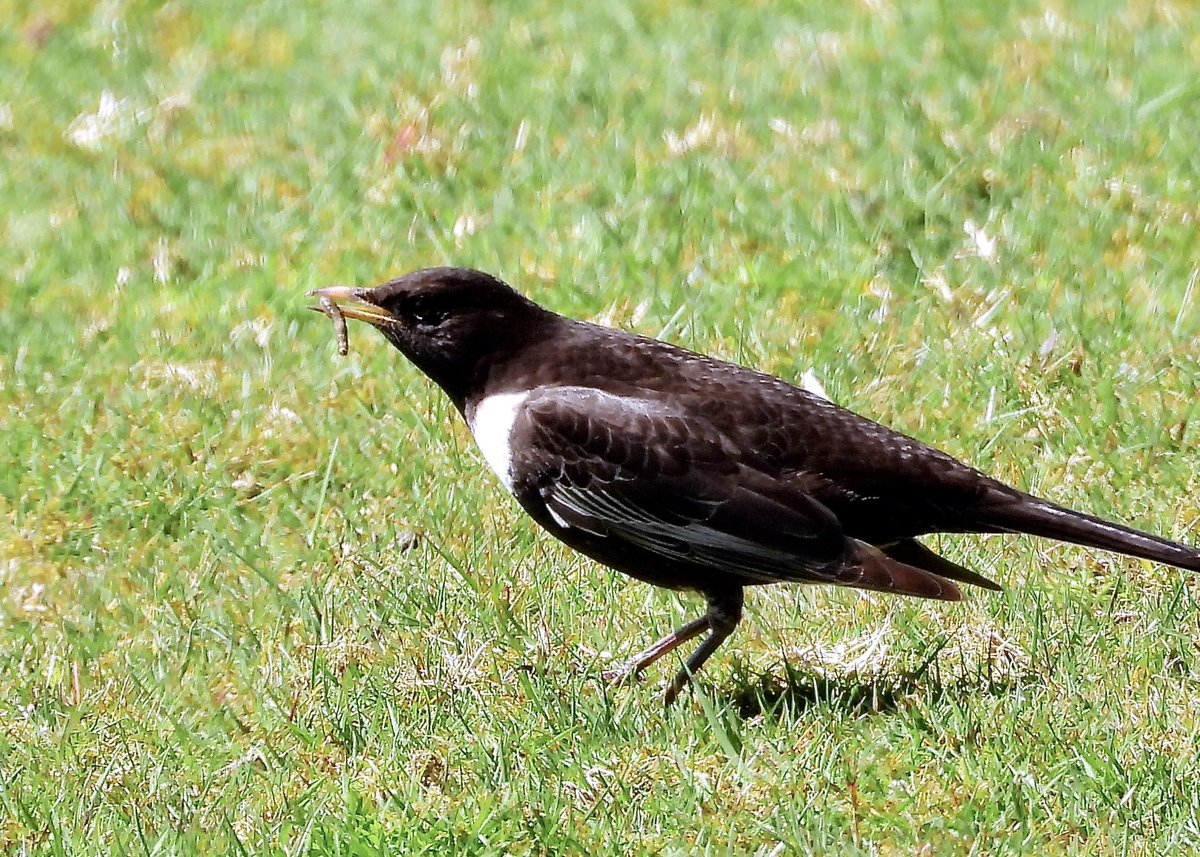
(870, 568)
(912, 552)
(1041, 518)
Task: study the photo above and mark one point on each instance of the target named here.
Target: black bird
(696, 474)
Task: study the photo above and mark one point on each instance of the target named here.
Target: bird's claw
(622, 674)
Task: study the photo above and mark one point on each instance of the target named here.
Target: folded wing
(635, 470)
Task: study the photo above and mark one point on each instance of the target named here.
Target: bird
(696, 474)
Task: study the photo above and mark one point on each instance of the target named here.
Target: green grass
(255, 598)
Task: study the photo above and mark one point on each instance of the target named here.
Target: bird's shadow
(790, 690)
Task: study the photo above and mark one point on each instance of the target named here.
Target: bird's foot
(632, 671)
(627, 672)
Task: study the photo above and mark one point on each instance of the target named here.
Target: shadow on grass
(799, 688)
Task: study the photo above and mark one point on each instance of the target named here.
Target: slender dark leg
(665, 646)
(724, 613)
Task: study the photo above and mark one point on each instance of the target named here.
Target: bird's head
(450, 322)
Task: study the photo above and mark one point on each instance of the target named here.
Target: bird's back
(881, 484)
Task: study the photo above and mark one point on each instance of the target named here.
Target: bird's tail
(1042, 518)
(867, 567)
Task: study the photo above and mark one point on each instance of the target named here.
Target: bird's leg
(724, 613)
(665, 646)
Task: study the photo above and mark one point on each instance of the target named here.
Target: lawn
(259, 598)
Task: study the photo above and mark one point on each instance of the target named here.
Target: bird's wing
(638, 471)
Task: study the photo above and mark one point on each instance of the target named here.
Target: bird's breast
(491, 425)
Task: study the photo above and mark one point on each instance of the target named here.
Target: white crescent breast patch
(492, 427)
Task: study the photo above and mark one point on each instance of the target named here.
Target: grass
(258, 599)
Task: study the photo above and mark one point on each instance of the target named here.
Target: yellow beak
(352, 305)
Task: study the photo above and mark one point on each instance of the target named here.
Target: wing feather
(657, 476)
(635, 470)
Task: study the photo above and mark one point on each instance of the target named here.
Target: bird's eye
(426, 314)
